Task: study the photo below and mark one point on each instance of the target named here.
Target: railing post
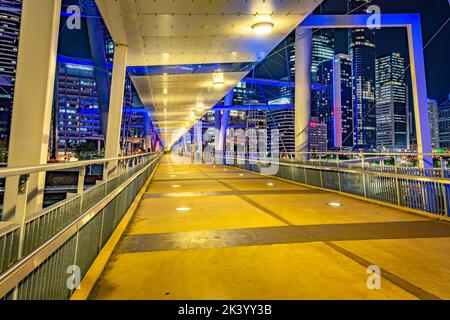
(444, 186)
(20, 218)
(21, 209)
(304, 168)
(339, 173)
(81, 178)
(320, 171)
(363, 175)
(397, 182)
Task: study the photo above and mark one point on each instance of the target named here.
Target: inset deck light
(183, 209)
(270, 184)
(263, 27)
(334, 204)
(176, 186)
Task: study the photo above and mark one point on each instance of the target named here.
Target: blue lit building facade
(76, 110)
(10, 14)
(433, 115)
(334, 101)
(444, 124)
(322, 49)
(77, 114)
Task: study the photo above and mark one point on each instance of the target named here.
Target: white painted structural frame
(303, 63)
(112, 145)
(419, 87)
(32, 106)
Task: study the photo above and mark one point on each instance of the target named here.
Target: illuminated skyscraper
(322, 49)
(334, 102)
(433, 114)
(10, 13)
(444, 124)
(392, 103)
(362, 51)
(77, 113)
(318, 135)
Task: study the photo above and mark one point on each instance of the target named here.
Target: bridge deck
(251, 237)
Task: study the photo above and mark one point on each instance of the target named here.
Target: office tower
(322, 49)
(77, 113)
(10, 14)
(444, 124)
(318, 135)
(362, 51)
(283, 120)
(334, 101)
(433, 114)
(392, 103)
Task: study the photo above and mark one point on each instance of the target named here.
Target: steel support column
(33, 99)
(303, 62)
(419, 91)
(101, 72)
(112, 143)
(222, 127)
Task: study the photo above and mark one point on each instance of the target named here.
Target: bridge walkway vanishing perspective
(216, 232)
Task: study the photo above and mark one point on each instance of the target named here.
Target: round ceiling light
(218, 84)
(262, 27)
(218, 80)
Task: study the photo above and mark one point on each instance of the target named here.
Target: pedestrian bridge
(164, 229)
(156, 226)
(215, 232)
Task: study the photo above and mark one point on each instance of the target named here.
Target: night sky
(434, 13)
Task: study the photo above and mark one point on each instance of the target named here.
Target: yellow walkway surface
(214, 232)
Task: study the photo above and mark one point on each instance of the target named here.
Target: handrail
(23, 170)
(14, 275)
(340, 169)
(419, 190)
(391, 154)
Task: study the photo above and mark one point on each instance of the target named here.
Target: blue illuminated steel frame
(419, 87)
(191, 68)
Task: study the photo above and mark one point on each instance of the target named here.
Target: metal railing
(424, 189)
(37, 255)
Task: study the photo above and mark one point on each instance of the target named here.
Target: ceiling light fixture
(262, 27)
(218, 81)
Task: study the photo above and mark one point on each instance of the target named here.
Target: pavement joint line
(272, 235)
(207, 179)
(253, 203)
(398, 281)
